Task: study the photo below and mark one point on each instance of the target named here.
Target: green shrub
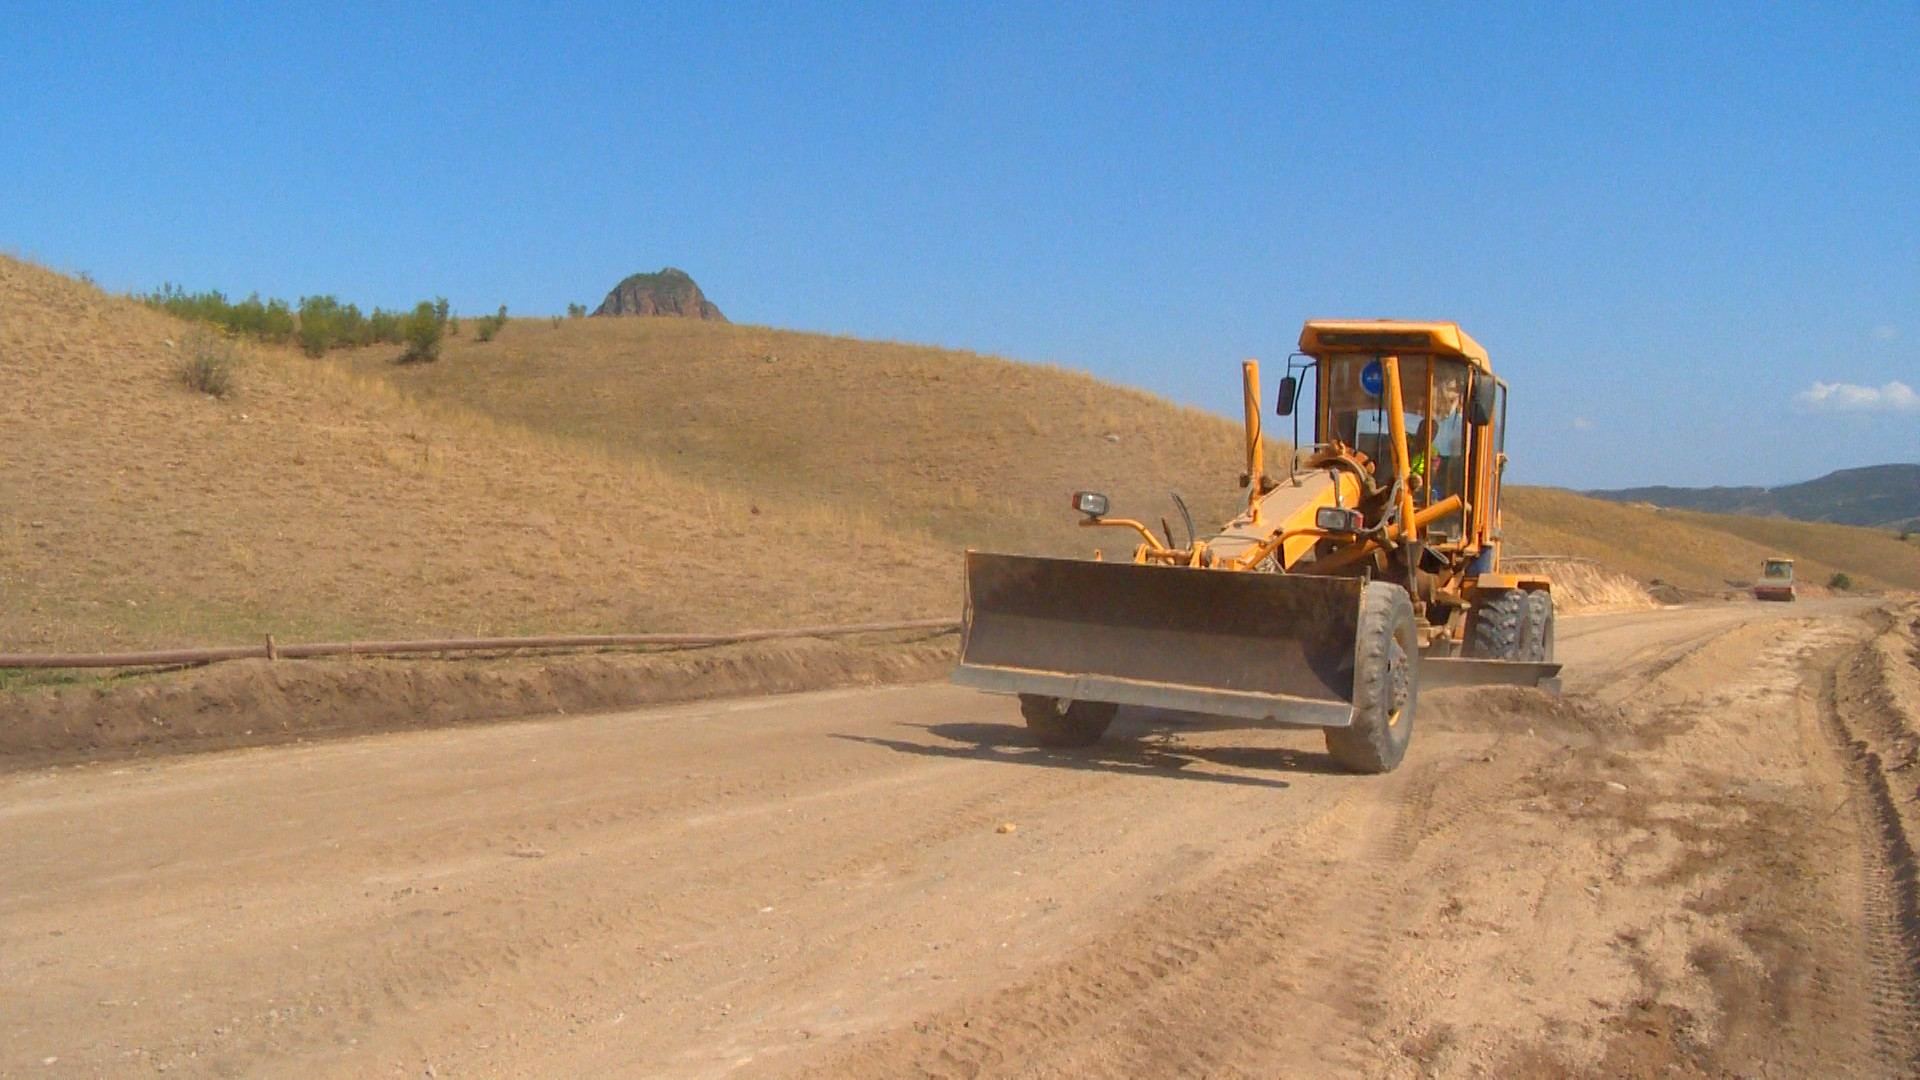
(1840, 583)
(276, 323)
(207, 363)
(422, 329)
(326, 323)
(576, 311)
(484, 328)
(314, 337)
(269, 321)
(384, 326)
(322, 324)
(210, 306)
(318, 324)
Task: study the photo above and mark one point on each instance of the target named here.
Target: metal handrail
(272, 650)
(1507, 557)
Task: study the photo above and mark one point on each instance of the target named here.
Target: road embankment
(260, 702)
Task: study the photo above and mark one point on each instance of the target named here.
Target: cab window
(1356, 403)
(1446, 443)
(1433, 395)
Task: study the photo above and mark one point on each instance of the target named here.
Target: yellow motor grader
(1371, 568)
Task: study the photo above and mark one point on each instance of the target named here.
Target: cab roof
(1322, 337)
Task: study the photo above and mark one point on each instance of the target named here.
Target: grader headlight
(1338, 519)
(1091, 503)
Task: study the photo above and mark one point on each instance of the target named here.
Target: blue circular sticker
(1372, 379)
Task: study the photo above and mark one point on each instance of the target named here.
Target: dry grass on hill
(614, 474)
(975, 450)
(981, 452)
(1703, 551)
(314, 502)
(1873, 557)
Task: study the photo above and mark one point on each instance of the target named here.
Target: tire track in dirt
(1392, 894)
(1670, 925)
(1029, 1022)
(539, 943)
(1873, 715)
(442, 930)
(1759, 875)
(818, 886)
(1159, 993)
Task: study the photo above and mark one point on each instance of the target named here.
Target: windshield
(1432, 390)
(1779, 568)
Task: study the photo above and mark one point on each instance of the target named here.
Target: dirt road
(1695, 863)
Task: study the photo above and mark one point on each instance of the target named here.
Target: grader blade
(1442, 672)
(1276, 648)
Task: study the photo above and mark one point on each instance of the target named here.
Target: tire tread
(1496, 625)
(1371, 744)
(1536, 631)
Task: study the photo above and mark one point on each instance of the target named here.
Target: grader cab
(1371, 567)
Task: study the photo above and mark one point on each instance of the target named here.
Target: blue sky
(1688, 234)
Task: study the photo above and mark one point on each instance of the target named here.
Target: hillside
(805, 479)
(979, 451)
(973, 450)
(1886, 496)
(1707, 552)
(613, 474)
(318, 503)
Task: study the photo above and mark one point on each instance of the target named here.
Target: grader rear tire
(1386, 684)
(1059, 723)
(1496, 625)
(1536, 632)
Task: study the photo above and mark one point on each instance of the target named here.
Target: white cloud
(1852, 397)
(1581, 423)
(1886, 333)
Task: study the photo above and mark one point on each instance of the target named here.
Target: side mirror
(1480, 408)
(1289, 392)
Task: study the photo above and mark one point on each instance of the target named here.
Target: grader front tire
(1386, 684)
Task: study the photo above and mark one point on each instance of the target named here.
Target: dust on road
(1695, 863)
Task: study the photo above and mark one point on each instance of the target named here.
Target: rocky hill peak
(670, 293)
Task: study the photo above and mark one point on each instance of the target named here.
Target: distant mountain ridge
(1882, 496)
